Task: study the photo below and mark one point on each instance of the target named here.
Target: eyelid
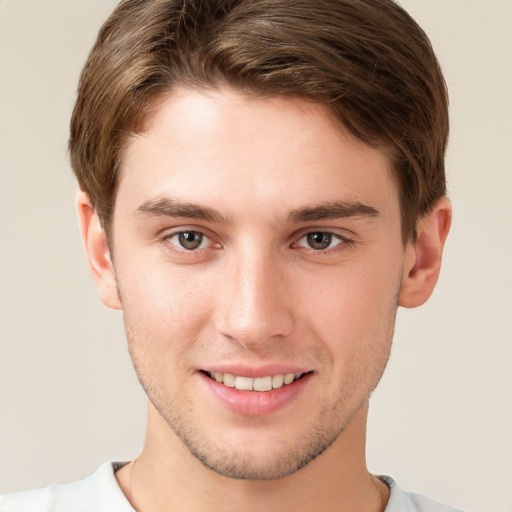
(345, 241)
(205, 241)
(167, 234)
(184, 228)
(337, 238)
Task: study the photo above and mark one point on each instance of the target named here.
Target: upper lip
(255, 371)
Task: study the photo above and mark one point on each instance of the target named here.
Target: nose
(253, 305)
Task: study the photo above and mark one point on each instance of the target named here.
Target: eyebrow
(333, 210)
(168, 207)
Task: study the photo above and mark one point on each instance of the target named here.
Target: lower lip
(256, 403)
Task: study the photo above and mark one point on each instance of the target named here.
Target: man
(262, 184)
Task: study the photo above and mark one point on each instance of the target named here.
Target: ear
(423, 256)
(97, 252)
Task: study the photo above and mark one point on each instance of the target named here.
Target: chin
(251, 456)
(246, 466)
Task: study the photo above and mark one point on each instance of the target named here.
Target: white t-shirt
(101, 493)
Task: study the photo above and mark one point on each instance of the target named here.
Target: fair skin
(251, 238)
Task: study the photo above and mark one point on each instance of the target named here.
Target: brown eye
(188, 240)
(319, 241)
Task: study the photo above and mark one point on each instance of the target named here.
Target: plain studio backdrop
(441, 420)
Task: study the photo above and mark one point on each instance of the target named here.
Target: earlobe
(97, 252)
(423, 256)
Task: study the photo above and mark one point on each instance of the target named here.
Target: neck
(167, 477)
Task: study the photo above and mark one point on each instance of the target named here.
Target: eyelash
(342, 242)
(206, 242)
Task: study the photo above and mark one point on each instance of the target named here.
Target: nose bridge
(252, 306)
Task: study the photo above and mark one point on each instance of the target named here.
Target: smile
(255, 384)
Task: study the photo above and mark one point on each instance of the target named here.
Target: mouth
(259, 395)
(260, 384)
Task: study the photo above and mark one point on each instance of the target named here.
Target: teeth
(277, 381)
(244, 383)
(262, 384)
(289, 378)
(256, 384)
(229, 380)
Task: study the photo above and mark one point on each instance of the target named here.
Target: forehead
(252, 154)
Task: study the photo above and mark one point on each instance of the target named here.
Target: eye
(320, 240)
(189, 240)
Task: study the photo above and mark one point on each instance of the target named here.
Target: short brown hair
(367, 60)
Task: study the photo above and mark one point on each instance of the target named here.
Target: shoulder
(401, 501)
(99, 493)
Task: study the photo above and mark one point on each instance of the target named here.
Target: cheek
(162, 308)
(354, 311)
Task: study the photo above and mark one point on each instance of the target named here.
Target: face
(258, 258)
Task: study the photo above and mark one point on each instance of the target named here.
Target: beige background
(441, 421)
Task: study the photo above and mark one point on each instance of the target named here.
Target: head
(367, 61)
(269, 178)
